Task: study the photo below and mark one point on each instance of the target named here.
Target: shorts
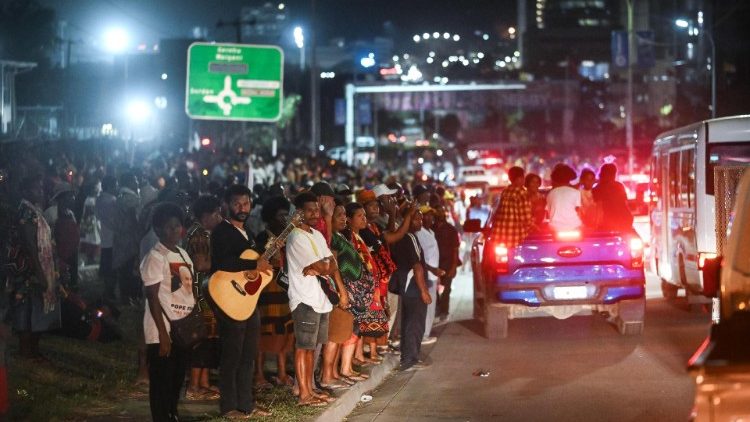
(310, 327)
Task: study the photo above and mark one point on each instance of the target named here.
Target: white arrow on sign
(220, 98)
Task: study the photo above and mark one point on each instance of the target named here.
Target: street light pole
(686, 23)
(713, 73)
(314, 96)
(629, 100)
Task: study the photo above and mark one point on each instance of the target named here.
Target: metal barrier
(726, 179)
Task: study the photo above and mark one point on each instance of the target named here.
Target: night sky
(151, 20)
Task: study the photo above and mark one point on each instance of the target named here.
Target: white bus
(683, 211)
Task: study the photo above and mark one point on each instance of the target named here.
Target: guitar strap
(316, 252)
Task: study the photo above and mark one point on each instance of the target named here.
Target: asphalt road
(578, 369)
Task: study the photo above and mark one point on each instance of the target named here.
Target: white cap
(382, 189)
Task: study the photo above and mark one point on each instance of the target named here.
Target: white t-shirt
(562, 202)
(429, 245)
(303, 249)
(163, 266)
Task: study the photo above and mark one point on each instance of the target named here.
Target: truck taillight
(501, 258)
(636, 252)
(703, 257)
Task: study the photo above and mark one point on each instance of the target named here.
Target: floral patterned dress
(30, 310)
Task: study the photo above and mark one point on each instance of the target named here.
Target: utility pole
(314, 95)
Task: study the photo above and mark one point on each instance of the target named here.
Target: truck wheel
(495, 322)
(668, 290)
(630, 316)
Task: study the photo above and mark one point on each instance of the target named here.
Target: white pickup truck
(721, 366)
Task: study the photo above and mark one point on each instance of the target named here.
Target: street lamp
(299, 40)
(687, 24)
(116, 40)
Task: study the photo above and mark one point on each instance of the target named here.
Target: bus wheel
(668, 290)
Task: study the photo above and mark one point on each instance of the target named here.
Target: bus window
(674, 178)
(687, 178)
(725, 154)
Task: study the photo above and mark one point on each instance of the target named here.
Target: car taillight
(703, 257)
(568, 235)
(636, 252)
(501, 258)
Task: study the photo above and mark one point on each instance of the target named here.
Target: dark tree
(27, 31)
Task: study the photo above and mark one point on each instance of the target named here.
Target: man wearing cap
(345, 192)
(427, 241)
(421, 194)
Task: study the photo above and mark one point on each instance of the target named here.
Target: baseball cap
(365, 195)
(382, 189)
(424, 209)
(343, 189)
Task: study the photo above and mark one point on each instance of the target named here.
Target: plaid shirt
(513, 217)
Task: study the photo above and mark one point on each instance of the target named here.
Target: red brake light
(703, 257)
(501, 258)
(568, 235)
(636, 252)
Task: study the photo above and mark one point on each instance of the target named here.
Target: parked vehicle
(559, 274)
(687, 166)
(721, 366)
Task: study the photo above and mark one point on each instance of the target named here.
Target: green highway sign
(234, 82)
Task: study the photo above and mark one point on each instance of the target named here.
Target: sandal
(336, 385)
(312, 402)
(358, 377)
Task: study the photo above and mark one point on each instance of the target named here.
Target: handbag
(187, 332)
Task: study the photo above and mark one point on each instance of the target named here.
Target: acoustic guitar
(233, 292)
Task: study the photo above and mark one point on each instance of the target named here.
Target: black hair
(237, 190)
(205, 204)
(586, 171)
(530, 177)
(563, 173)
(272, 206)
(514, 173)
(303, 198)
(108, 182)
(608, 172)
(338, 201)
(163, 212)
(352, 207)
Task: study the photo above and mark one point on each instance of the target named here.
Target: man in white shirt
(428, 242)
(564, 201)
(308, 256)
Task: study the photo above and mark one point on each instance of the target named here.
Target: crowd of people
(159, 239)
(362, 272)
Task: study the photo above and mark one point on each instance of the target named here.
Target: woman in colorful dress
(35, 304)
(276, 327)
(357, 269)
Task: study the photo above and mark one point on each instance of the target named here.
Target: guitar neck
(271, 251)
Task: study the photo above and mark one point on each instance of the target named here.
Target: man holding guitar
(309, 259)
(239, 339)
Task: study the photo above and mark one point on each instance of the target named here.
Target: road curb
(345, 403)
